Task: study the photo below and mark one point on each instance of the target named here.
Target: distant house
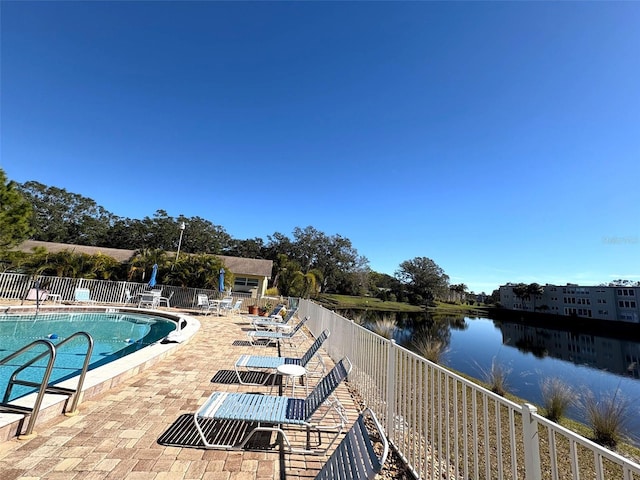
(251, 275)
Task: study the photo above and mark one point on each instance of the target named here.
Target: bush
(608, 417)
(385, 328)
(557, 396)
(497, 377)
(430, 348)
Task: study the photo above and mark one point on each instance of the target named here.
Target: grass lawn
(339, 302)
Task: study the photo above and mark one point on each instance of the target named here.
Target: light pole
(182, 226)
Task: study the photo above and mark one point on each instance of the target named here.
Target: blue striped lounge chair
(275, 322)
(253, 363)
(271, 413)
(266, 337)
(355, 457)
(275, 312)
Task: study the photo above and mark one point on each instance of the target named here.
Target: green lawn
(340, 302)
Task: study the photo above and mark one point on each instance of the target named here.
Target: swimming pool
(115, 335)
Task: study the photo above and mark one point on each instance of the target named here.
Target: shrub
(429, 347)
(497, 377)
(557, 396)
(608, 417)
(385, 328)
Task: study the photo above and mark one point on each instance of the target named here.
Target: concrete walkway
(115, 435)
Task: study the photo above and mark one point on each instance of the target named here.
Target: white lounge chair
(355, 456)
(256, 363)
(271, 412)
(82, 295)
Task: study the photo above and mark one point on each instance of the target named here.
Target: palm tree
(143, 260)
(460, 292)
(533, 290)
(521, 291)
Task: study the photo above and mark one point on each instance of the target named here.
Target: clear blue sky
(500, 139)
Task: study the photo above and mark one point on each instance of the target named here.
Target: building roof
(238, 265)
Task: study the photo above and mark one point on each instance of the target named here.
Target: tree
(311, 249)
(424, 279)
(65, 217)
(460, 292)
(15, 214)
(534, 290)
(250, 248)
(521, 291)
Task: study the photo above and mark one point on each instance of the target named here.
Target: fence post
(391, 387)
(124, 287)
(531, 443)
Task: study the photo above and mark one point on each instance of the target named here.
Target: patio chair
(128, 298)
(264, 338)
(149, 299)
(203, 303)
(271, 412)
(166, 300)
(82, 295)
(255, 363)
(228, 308)
(355, 457)
(275, 322)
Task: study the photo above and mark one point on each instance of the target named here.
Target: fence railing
(445, 426)
(15, 286)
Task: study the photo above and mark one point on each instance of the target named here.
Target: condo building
(610, 302)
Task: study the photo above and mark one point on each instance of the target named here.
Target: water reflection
(603, 365)
(613, 355)
(426, 334)
(609, 354)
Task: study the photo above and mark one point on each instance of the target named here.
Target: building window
(245, 282)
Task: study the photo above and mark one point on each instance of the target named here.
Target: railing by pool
(445, 426)
(15, 286)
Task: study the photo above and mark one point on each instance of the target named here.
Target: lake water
(586, 362)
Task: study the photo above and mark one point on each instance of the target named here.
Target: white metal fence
(14, 286)
(445, 426)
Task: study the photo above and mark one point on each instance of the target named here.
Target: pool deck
(115, 435)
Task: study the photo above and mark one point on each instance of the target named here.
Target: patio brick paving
(115, 435)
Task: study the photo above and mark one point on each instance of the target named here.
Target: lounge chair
(276, 311)
(271, 412)
(355, 458)
(275, 322)
(265, 337)
(37, 295)
(253, 363)
(82, 295)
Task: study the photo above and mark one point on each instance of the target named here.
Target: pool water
(115, 335)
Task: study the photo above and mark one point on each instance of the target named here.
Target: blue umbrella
(154, 272)
(221, 281)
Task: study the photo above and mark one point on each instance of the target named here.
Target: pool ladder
(43, 385)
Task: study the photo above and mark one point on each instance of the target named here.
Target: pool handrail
(53, 389)
(33, 411)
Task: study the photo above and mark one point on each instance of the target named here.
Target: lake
(586, 362)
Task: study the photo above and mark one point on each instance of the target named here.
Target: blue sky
(500, 139)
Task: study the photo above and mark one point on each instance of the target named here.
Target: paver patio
(115, 435)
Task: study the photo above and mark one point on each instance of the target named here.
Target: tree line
(305, 264)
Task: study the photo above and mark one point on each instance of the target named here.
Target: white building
(617, 303)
